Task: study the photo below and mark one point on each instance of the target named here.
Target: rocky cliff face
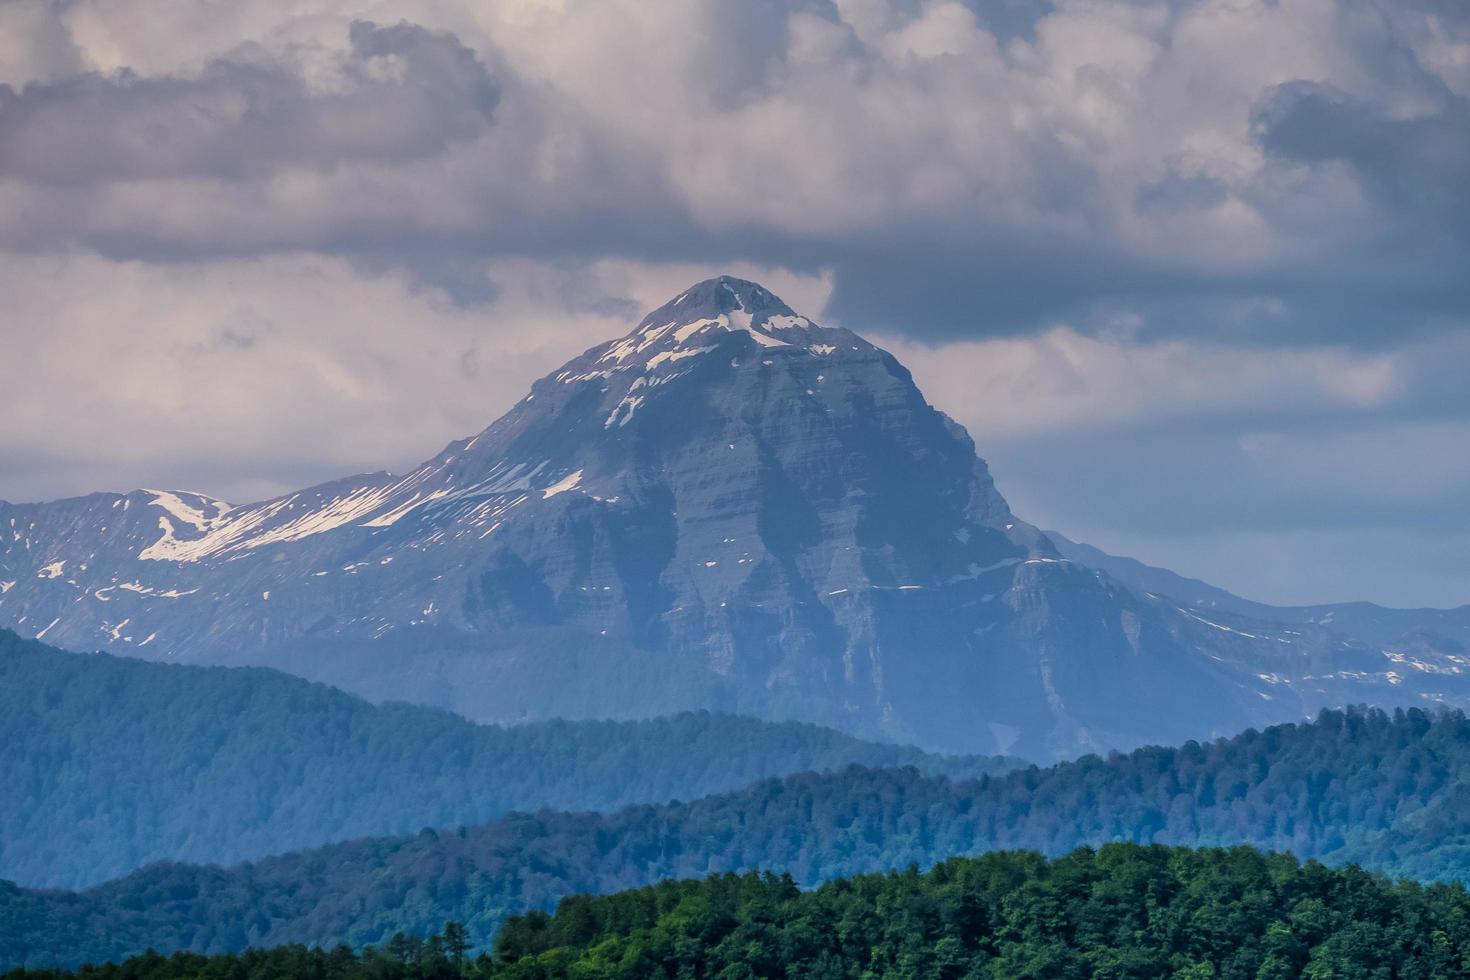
(730, 507)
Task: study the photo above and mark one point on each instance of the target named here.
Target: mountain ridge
(1364, 620)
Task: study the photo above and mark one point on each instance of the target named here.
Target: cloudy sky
(1192, 273)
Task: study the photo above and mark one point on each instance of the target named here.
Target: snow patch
(1217, 626)
(623, 413)
(279, 521)
(196, 514)
(673, 356)
(696, 326)
(765, 339)
(398, 513)
(781, 321)
(568, 482)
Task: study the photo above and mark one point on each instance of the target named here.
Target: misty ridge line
(1367, 787)
(119, 763)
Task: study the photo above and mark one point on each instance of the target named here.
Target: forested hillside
(1386, 790)
(1121, 911)
(109, 763)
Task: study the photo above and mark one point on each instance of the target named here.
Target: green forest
(110, 763)
(1390, 791)
(1121, 911)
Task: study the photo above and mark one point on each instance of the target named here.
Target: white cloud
(242, 377)
(250, 377)
(1062, 380)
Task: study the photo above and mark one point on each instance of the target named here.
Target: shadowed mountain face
(731, 507)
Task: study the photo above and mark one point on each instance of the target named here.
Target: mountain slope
(1445, 629)
(729, 508)
(1388, 791)
(111, 763)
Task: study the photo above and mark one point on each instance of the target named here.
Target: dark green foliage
(404, 957)
(1123, 911)
(109, 763)
(1386, 790)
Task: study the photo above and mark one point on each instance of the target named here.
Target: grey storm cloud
(1182, 191)
(985, 168)
(1005, 19)
(1417, 164)
(404, 93)
(758, 30)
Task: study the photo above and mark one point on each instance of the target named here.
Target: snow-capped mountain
(729, 507)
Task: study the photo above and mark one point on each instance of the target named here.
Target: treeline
(110, 763)
(405, 957)
(1121, 911)
(1389, 791)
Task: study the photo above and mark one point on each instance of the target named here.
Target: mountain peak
(704, 317)
(720, 295)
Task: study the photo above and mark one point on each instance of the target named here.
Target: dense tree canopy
(1122, 911)
(109, 763)
(1388, 791)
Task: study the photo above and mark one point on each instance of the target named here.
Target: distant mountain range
(110, 763)
(1391, 792)
(729, 508)
(1447, 630)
